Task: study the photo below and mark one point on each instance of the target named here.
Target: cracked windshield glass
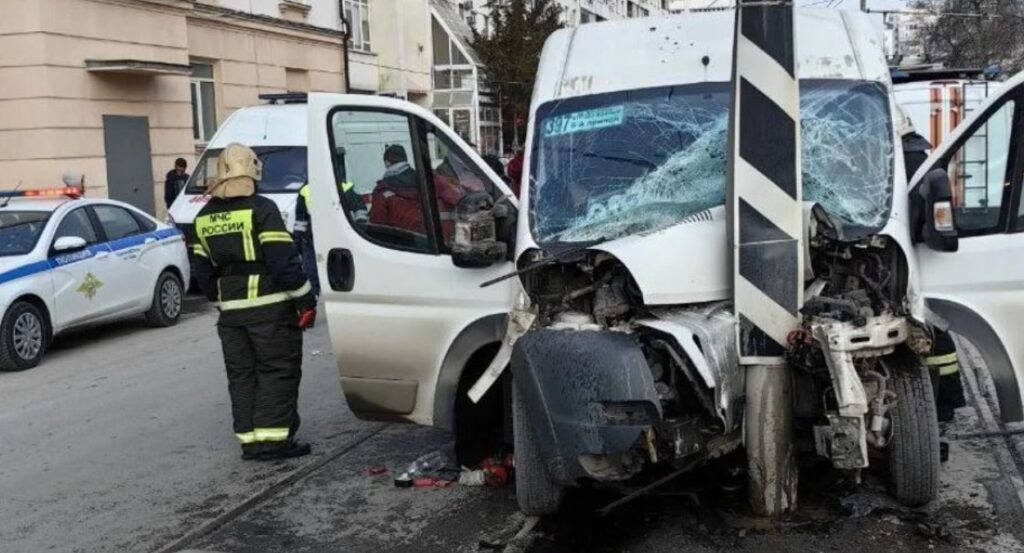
(622, 163)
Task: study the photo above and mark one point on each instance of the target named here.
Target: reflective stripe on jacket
(244, 255)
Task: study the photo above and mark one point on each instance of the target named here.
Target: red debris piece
(430, 482)
(377, 471)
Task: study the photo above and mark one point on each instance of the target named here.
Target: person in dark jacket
(246, 262)
(396, 198)
(175, 181)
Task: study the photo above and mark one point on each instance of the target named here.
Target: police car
(67, 262)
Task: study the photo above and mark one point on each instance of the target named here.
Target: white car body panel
(985, 277)
(392, 332)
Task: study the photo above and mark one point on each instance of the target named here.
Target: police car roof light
(73, 192)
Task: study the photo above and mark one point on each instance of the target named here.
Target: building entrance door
(129, 160)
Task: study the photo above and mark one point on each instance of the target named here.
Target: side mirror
(480, 238)
(69, 243)
(931, 212)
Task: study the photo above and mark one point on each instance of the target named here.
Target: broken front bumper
(590, 398)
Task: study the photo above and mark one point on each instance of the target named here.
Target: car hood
(685, 263)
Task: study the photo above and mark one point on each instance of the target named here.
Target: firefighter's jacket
(246, 262)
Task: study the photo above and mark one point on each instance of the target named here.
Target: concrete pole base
(768, 436)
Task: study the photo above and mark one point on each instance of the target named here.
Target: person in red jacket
(396, 198)
(514, 170)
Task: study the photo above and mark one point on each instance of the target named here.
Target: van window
(284, 169)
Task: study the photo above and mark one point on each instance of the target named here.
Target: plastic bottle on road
(425, 465)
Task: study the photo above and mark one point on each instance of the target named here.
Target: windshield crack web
(663, 159)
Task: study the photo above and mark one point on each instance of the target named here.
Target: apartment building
(117, 89)
(575, 12)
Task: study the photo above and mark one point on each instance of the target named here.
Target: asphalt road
(121, 441)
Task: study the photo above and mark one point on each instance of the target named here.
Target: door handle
(102, 253)
(341, 272)
(150, 240)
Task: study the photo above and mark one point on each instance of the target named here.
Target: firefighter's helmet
(238, 160)
(904, 125)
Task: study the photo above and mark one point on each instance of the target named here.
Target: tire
(167, 300)
(536, 491)
(23, 337)
(914, 449)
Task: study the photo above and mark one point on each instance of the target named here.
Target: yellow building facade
(87, 86)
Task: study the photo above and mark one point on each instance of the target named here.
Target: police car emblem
(90, 285)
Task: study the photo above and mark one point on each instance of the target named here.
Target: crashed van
(607, 286)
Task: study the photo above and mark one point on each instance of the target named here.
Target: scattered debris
(377, 471)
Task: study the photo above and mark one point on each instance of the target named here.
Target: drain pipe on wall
(344, 50)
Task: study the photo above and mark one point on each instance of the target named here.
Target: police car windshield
(20, 230)
(284, 169)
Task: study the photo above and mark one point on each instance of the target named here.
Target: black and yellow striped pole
(766, 232)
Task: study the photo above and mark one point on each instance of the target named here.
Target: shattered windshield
(610, 165)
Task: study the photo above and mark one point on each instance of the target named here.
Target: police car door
(129, 243)
(979, 289)
(82, 278)
(396, 305)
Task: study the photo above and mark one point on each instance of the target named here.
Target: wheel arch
(38, 302)
(472, 340)
(174, 270)
(965, 321)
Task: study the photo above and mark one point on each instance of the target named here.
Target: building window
(462, 123)
(204, 104)
(452, 70)
(634, 10)
(357, 14)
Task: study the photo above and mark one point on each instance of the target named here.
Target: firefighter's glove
(306, 305)
(307, 318)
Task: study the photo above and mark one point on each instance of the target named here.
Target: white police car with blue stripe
(67, 262)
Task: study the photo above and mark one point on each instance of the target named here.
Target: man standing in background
(175, 181)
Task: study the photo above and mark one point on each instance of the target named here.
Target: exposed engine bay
(687, 355)
(854, 318)
(663, 384)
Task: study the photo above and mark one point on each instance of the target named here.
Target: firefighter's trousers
(264, 367)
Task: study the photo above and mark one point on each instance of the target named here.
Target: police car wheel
(22, 337)
(167, 300)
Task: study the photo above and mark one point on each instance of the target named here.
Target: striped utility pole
(766, 231)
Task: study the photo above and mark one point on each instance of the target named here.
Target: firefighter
(304, 222)
(245, 261)
(944, 366)
(915, 146)
(304, 239)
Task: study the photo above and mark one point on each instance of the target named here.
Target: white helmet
(238, 160)
(238, 169)
(904, 125)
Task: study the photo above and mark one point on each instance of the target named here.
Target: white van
(277, 133)
(626, 347)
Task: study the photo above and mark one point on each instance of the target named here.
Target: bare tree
(510, 52)
(974, 33)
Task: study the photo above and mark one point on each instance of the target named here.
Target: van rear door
(385, 177)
